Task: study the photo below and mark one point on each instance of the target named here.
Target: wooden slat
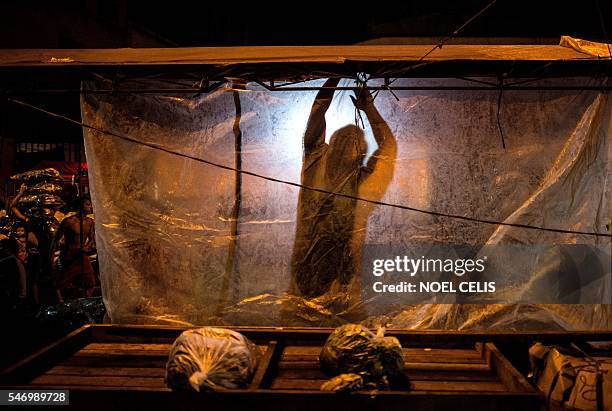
(117, 361)
(280, 54)
(506, 372)
(408, 366)
(128, 347)
(101, 381)
(265, 366)
(317, 335)
(464, 375)
(426, 355)
(455, 386)
(107, 371)
(121, 353)
(445, 366)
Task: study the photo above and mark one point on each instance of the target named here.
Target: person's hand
(362, 99)
(23, 188)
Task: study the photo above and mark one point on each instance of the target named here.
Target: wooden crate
(123, 367)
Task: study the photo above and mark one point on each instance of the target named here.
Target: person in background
(26, 238)
(13, 281)
(27, 253)
(78, 233)
(14, 209)
(329, 229)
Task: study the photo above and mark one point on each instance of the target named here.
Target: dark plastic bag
(211, 359)
(354, 349)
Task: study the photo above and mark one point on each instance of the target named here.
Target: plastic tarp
(166, 224)
(599, 50)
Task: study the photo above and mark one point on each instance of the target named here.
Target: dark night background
(137, 23)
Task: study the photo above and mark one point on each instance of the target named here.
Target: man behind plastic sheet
(78, 233)
(330, 231)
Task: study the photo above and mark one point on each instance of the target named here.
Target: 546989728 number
(34, 397)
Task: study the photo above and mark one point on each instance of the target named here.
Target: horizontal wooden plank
(316, 336)
(109, 390)
(455, 386)
(307, 350)
(426, 355)
(94, 398)
(107, 371)
(117, 361)
(469, 375)
(122, 353)
(128, 346)
(305, 365)
(298, 365)
(280, 54)
(101, 381)
(446, 366)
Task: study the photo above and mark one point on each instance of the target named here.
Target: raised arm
(387, 145)
(315, 128)
(13, 206)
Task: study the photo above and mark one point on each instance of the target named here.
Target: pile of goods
(211, 359)
(569, 378)
(37, 176)
(42, 191)
(38, 199)
(357, 358)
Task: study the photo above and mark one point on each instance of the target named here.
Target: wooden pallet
(109, 366)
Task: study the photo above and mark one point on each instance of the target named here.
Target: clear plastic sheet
(600, 50)
(164, 223)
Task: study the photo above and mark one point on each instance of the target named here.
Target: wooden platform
(281, 54)
(106, 366)
(295, 62)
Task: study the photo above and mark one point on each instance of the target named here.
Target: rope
(301, 186)
(448, 38)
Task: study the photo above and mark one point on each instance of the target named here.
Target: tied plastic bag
(354, 349)
(210, 359)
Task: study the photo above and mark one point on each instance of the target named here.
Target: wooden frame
(125, 365)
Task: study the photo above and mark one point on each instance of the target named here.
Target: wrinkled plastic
(164, 223)
(354, 349)
(600, 50)
(34, 176)
(65, 317)
(343, 383)
(41, 200)
(209, 359)
(45, 188)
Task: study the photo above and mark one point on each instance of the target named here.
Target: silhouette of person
(330, 229)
